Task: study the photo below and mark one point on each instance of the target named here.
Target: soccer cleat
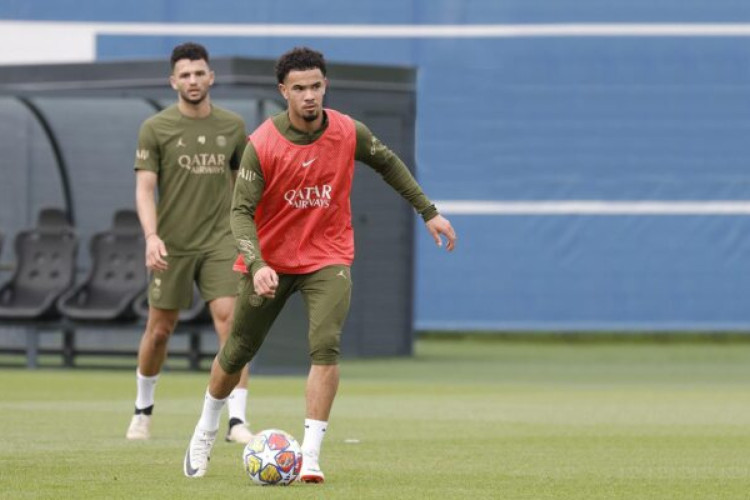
(310, 472)
(239, 433)
(199, 453)
(139, 428)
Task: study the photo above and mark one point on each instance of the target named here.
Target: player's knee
(159, 332)
(223, 325)
(221, 308)
(236, 353)
(222, 315)
(234, 361)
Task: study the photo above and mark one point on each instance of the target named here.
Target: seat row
(42, 286)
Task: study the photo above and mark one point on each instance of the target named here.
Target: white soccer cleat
(199, 453)
(139, 428)
(310, 472)
(239, 433)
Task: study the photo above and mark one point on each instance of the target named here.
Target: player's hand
(155, 253)
(266, 281)
(440, 226)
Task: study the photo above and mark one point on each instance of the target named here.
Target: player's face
(191, 80)
(304, 91)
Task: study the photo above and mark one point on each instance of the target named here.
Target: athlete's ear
(283, 91)
(173, 82)
(211, 76)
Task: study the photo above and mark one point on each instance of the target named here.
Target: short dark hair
(189, 50)
(299, 59)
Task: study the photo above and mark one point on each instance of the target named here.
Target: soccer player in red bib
(291, 219)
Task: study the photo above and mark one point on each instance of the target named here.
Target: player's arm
(384, 161)
(146, 180)
(248, 192)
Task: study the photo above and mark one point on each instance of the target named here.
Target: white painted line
(396, 30)
(428, 31)
(593, 207)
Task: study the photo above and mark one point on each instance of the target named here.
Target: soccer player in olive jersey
(190, 153)
(291, 218)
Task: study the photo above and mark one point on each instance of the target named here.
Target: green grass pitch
(466, 418)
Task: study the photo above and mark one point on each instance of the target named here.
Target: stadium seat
(45, 268)
(117, 276)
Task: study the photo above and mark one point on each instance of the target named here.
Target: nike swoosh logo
(307, 163)
(189, 471)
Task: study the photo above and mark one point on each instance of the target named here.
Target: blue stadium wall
(538, 119)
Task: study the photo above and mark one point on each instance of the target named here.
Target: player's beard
(186, 97)
(310, 117)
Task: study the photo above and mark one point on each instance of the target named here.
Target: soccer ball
(272, 457)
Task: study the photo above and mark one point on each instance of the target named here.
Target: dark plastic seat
(197, 313)
(45, 268)
(117, 276)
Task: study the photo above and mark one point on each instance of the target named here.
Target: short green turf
(472, 418)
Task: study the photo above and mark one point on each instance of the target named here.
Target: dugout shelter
(68, 134)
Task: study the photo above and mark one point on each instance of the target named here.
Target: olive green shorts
(212, 271)
(326, 294)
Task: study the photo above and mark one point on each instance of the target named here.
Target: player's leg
(202, 441)
(237, 429)
(151, 354)
(253, 317)
(169, 291)
(218, 285)
(327, 295)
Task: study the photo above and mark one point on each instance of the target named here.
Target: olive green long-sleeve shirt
(250, 183)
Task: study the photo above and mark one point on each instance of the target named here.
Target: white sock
(145, 388)
(211, 412)
(237, 404)
(315, 431)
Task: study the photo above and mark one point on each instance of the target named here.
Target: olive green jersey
(369, 150)
(194, 159)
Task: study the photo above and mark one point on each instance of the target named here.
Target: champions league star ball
(272, 457)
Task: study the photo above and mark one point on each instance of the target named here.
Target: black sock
(234, 421)
(144, 411)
